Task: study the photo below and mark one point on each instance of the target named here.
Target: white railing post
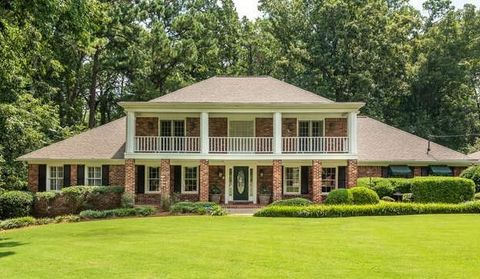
(204, 144)
(352, 132)
(277, 133)
(130, 132)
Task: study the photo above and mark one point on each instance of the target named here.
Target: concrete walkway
(242, 211)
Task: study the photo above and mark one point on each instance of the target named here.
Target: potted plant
(215, 194)
(265, 195)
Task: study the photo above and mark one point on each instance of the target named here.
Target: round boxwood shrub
(340, 196)
(363, 195)
(293, 202)
(383, 188)
(15, 204)
(472, 173)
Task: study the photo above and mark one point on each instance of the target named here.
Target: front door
(240, 183)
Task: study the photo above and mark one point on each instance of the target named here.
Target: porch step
(241, 205)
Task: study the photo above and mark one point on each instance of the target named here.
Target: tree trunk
(92, 97)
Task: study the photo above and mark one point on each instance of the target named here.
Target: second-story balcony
(231, 145)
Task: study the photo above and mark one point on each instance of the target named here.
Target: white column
(130, 132)
(277, 133)
(204, 143)
(352, 132)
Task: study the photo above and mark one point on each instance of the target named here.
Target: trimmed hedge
(118, 212)
(292, 202)
(443, 190)
(363, 195)
(30, 221)
(384, 208)
(339, 196)
(201, 208)
(402, 185)
(472, 173)
(15, 204)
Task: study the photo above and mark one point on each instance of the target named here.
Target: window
(329, 179)
(292, 180)
(94, 176)
(153, 179)
(241, 128)
(56, 178)
(190, 184)
(310, 128)
(169, 128)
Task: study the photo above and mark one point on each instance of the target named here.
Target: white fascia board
(459, 163)
(239, 157)
(76, 161)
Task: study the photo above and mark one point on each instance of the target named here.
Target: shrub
(128, 200)
(443, 190)
(46, 195)
(402, 185)
(165, 203)
(472, 173)
(17, 223)
(340, 196)
(67, 219)
(383, 188)
(44, 221)
(477, 196)
(363, 195)
(293, 202)
(15, 204)
(201, 208)
(388, 199)
(386, 208)
(118, 212)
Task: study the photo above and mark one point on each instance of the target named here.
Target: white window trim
(285, 180)
(147, 179)
(336, 179)
(310, 124)
(244, 118)
(183, 179)
(86, 173)
(49, 176)
(171, 119)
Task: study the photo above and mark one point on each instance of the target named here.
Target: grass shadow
(7, 243)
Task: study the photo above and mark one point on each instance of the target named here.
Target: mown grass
(421, 246)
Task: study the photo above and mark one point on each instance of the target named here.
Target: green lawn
(428, 246)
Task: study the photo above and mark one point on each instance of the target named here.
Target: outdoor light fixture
(220, 173)
(261, 173)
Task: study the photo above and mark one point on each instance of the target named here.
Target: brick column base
(165, 179)
(352, 173)
(204, 180)
(73, 175)
(130, 176)
(277, 180)
(317, 181)
(33, 178)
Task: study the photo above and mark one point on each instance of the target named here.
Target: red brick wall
(352, 173)
(277, 180)
(73, 175)
(458, 170)
(204, 180)
(33, 177)
(214, 179)
(130, 176)
(146, 126)
(217, 127)
(264, 127)
(165, 178)
(369, 171)
(193, 127)
(336, 127)
(289, 127)
(266, 179)
(148, 199)
(317, 181)
(116, 175)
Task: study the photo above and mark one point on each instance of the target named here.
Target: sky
(249, 9)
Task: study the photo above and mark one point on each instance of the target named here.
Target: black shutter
(177, 179)
(281, 181)
(425, 171)
(105, 175)
(342, 178)
(385, 172)
(42, 178)
(140, 179)
(305, 177)
(66, 175)
(80, 175)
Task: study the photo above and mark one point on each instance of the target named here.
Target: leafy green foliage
(201, 208)
(443, 189)
(118, 212)
(402, 185)
(292, 202)
(15, 204)
(17, 223)
(339, 196)
(128, 200)
(363, 195)
(381, 209)
(472, 173)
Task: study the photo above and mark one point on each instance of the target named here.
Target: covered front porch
(240, 182)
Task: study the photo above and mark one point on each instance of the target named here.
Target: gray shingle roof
(475, 155)
(241, 90)
(376, 142)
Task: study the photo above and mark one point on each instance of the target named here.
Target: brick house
(242, 135)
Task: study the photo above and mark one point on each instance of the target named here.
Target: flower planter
(264, 199)
(215, 198)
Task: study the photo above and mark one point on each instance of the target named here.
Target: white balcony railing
(241, 144)
(151, 144)
(315, 145)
